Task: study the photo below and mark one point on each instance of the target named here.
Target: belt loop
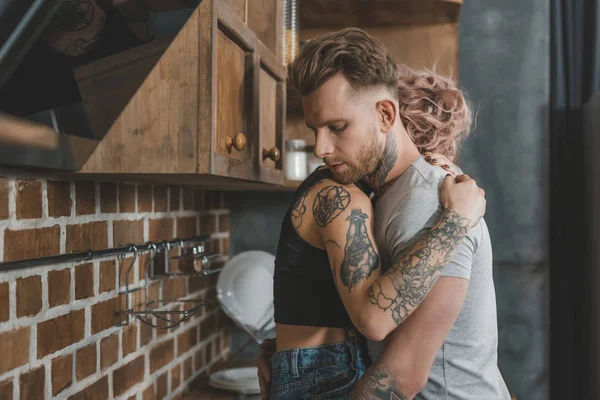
(294, 362)
(352, 349)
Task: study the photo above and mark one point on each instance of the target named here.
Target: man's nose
(323, 146)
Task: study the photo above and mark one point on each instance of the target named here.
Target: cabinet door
(265, 19)
(271, 78)
(234, 106)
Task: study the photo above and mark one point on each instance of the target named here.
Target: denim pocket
(336, 381)
(284, 386)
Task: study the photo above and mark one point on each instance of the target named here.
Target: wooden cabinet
(201, 109)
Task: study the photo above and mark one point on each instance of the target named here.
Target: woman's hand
(462, 194)
(267, 349)
(441, 161)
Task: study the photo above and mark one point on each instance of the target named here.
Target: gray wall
(504, 68)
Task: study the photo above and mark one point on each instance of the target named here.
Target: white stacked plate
(238, 380)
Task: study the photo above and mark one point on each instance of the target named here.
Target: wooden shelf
(335, 13)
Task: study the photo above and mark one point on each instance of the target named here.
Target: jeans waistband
(328, 354)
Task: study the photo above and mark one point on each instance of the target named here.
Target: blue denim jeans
(320, 372)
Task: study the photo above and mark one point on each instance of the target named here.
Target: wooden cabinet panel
(238, 7)
(268, 120)
(232, 97)
(265, 20)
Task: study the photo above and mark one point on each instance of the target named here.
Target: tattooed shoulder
(329, 203)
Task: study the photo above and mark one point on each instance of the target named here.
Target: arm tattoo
(299, 210)
(414, 276)
(360, 259)
(376, 384)
(73, 16)
(385, 165)
(82, 46)
(329, 203)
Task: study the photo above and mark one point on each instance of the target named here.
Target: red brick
(175, 198)
(197, 283)
(108, 197)
(96, 391)
(161, 355)
(187, 340)
(103, 315)
(62, 373)
(224, 223)
(175, 377)
(162, 386)
(29, 296)
(208, 327)
(124, 266)
(213, 200)
(60, 332)
(144, 198)
(126, 198)
(199, 200)
(91, 236)
(29, 199)
(187, 369)
(6, 390)
(225, 246)
(160, 229)
(85, 198)
(161, 195)
(31, 243)
(59, 199)
(4, 198)
(188, 198)
(128, 232)
(129, 339)
(14, 347)
(85, 361)
(199, 361)
(174, 288)
(148, 393)
(59, 287)
(208, 224)
(32, 384)
(186, 227)
(4, 302)
(209, 352)
(109, 351)
(128, 376)
(84, 281)
(107, 277)
(145, 334)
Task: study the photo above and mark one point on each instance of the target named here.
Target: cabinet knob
(273, 154)
(239, 142)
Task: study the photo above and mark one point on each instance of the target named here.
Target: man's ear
(387, 111)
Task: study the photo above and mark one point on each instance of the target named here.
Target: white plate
(241, 380)
(245, 288)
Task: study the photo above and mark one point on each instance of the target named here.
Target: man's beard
(365, 164)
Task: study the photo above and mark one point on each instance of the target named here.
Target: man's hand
(464, 196)
(267, 349)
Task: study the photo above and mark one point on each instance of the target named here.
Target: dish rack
(149, 309)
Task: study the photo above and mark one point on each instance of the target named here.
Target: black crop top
(303, 288)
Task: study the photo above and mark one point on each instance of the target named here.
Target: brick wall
(58, 332)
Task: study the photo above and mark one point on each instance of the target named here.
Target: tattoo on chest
(329, 203)
(376, 384)
(360, 259)
(415, 275)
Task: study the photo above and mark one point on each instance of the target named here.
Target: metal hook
(154, 250)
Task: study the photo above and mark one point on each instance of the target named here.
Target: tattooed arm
(377, 303)
(76, 27)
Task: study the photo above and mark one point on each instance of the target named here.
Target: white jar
(295, 160)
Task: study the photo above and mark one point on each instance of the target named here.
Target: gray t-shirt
(465, 367)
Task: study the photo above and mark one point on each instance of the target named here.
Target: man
(369, 126)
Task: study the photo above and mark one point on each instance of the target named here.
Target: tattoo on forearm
(360, 258)
(73, 16)
(376, 384)
(416, 274)
(299, 210)
(329, 203)
(387, 162)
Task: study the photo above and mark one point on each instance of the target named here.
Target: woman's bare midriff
(299, 336)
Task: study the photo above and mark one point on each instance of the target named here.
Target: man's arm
(402, 371)
(377, 303)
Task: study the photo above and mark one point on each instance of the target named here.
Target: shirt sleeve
(413, 219)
